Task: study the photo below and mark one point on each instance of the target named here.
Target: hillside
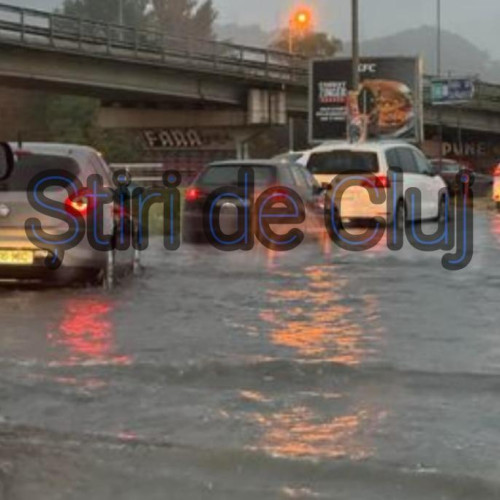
(459, 56)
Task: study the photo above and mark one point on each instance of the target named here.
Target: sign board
(188, 139)
(452, 90)
(390, 98)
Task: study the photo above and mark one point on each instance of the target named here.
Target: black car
(267, 174)
(449, 170)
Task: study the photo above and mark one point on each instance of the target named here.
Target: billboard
(452, 90)
(389, 106)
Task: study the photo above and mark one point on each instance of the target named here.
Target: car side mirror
(6, 161)
(432, 172)
(318, 190)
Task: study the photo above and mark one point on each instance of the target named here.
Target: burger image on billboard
(390, 98)
(394, 114)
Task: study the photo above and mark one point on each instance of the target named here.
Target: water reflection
(318, 321)
(313, 316)
(301, 433)
(495, 227)
(86, 333)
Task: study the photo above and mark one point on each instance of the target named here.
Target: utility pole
(355, 45)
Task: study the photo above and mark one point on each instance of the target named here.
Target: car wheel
(400, 218)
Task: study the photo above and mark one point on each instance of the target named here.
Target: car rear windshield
(340, 162)
(27, 167)
(227, 175)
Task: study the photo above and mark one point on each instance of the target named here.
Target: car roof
(51, 148)
(251, 163)
(375, 146)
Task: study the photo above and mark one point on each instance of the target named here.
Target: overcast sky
(477, 20)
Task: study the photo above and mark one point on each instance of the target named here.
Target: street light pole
(438, 58)
(120, 13)
(438, 70)
(355, 45)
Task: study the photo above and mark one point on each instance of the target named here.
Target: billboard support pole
(355, 45)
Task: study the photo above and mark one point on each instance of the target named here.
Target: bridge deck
(29, 27)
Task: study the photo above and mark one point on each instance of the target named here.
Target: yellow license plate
(16, 257)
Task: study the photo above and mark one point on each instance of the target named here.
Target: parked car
(496, 186)
(22, 260)
(267, 173)
(449, 170)
(377, 159)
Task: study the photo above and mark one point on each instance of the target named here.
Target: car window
(28, 166)
(101, 168)
(310, 179)
(392, 159)
(423, 166)
(407, 161)
(227, 175)
(286, 177)
(299, 178)
(450, 168)
(343, 161)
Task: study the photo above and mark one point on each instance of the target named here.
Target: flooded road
(311, 374)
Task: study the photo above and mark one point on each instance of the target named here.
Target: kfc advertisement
(389, 100)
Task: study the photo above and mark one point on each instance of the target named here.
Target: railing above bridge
(54, 31)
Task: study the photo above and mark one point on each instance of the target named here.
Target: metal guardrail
(36, 28)
(150, 174)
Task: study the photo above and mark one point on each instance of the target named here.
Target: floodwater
(313, 374)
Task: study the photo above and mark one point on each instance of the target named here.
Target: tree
(309, 45)
(184, 18)
(108, 11)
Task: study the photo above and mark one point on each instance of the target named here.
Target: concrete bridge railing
(70, 34)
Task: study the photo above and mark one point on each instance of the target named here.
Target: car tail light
(381, 181)
(79, 203)
(193, 194)
(496, 171)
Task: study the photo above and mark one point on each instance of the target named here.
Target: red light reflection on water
(87, 333)
(495, 227)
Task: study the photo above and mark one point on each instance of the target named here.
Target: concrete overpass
(121, 64)
(151, 79)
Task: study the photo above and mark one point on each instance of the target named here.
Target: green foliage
(72, 119)
(184, 18)
(107, 10)
(309, 45)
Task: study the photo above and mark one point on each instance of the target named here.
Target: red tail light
(193, 194)
(496, 171)
(78, 203)
(381, 181)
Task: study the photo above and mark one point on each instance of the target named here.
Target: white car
(496, 186)
(378, 159)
